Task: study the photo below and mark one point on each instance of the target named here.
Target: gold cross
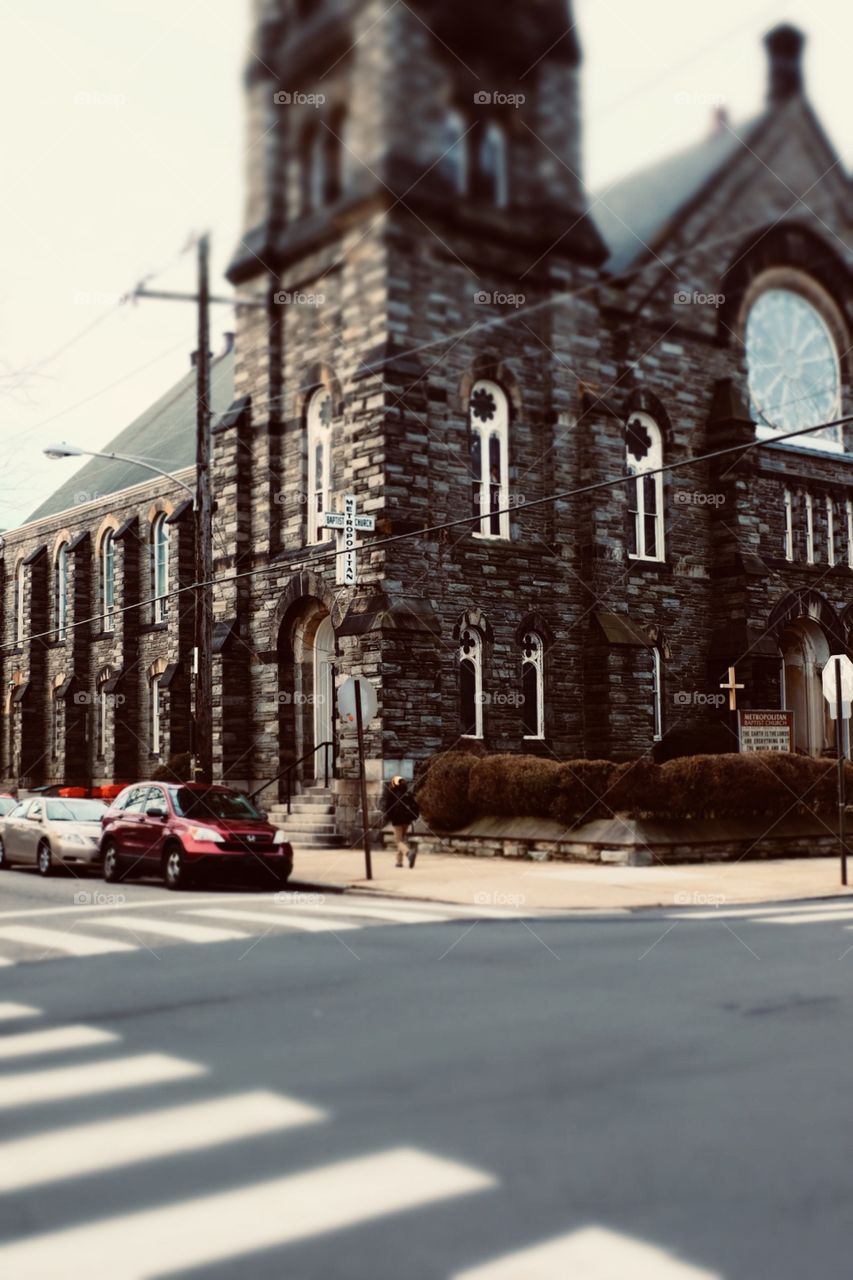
(732, 689)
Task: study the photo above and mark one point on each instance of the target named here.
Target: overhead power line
(315, 557)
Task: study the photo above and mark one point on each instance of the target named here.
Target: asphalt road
(661, 1095)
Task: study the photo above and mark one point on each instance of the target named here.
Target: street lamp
(74, 451)
(203, 639)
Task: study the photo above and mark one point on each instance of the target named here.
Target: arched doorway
(805, 651)
(306, 664)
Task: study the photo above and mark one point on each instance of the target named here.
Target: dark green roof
(164, 434)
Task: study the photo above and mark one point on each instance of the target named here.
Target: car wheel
(113, 867)
(44, 859)
(5, 864)
(175, 871)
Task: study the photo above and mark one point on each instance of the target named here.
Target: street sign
(347, 523)
(766, 730)
(346, 700)
(838, 665)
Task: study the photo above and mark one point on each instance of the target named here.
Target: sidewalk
(493, 882)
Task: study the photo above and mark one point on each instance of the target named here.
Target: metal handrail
(287, 773)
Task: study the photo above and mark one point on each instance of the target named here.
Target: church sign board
(766, 730)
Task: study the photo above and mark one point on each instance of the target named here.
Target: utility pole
(203, 655)
(202, 676)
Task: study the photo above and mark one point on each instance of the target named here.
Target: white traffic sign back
(838, 661)
(346, 700)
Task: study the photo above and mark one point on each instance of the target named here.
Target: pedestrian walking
(400, 809)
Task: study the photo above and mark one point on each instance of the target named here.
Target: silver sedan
(51, 831)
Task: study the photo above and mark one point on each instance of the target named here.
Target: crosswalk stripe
(57, 1083)
(592, 1253)
(808, 917)
(111, 1144)
(9, 1011)
(379, 910)
(209, 1229)
(54, 1040)
(783, 908)
(181, 930)
(285, 919)
(71, 944)
(4, 963)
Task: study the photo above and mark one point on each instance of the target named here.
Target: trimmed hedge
(455, 788)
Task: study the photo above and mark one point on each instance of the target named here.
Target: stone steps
(311, 821)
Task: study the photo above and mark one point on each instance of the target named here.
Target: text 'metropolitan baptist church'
(456, 329)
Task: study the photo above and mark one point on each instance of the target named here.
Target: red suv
(177, 831)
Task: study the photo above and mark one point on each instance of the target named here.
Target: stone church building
(455, 330)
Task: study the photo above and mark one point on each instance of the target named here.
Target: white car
(50, 831)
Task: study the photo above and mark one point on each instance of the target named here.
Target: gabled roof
(164, 434)
(635, 213)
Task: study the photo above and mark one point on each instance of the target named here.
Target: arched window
(19, 602)
(533, 685)
(102, 711)
(644, 451)
(657, 694)
(489, 429)
(57, 716)
(454, 163)
(471, 683)
(319, 439)
(108, 580)
(61, 591)
(335, 136)
(494, 164)
(155, 673)
(160, 566)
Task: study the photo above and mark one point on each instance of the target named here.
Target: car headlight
(71, 837)
(207, 834)
(280, 837)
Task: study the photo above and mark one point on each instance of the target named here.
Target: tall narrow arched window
(644, 451)
(657, 694)
(160, 566)
(154, 688)
(108, 580)
(454, 163)
(102, 712)
(489, 432)
(334, 134)
(19, 601)
(533, 685)
(494, 164)
(471, 683)
(318, 420)
(61, 591)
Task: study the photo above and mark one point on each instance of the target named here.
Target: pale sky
(123, 133)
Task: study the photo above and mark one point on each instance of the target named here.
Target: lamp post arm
(138, 462)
